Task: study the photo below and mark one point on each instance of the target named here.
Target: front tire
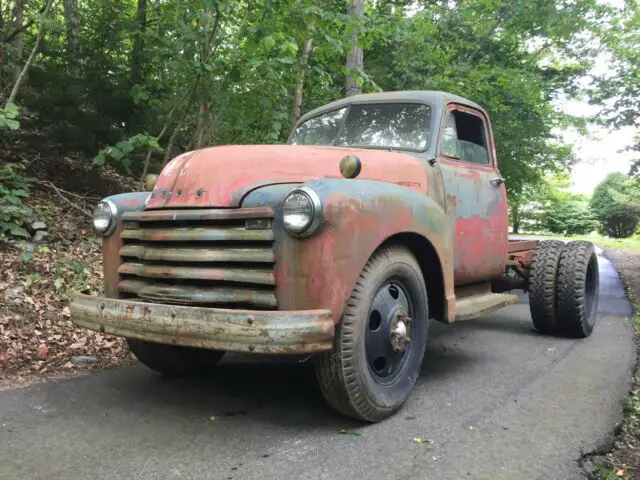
(173, 360)
(379, 344)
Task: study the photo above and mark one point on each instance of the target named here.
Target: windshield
(384, 125)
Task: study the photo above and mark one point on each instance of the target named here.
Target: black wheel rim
(388, 331)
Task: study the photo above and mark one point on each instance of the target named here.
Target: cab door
(475, 195)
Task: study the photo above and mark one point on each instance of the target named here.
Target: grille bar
(240, 275)
(199, 257)
(197, 234)
(190, 295)
(195, 215)
(198, 254)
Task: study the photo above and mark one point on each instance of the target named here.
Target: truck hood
(222, 176)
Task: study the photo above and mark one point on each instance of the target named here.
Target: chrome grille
(202, 257)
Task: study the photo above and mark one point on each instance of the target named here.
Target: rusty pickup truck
(382, 213)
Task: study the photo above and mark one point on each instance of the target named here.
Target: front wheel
(380, 342)
(173, 360)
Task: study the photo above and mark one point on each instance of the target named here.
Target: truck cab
(382, 213)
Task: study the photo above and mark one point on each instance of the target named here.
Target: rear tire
(371, 369)
(577, 289)
(542, 285)
(173, 360)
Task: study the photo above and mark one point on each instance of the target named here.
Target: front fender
(111, 245)
(358, 216)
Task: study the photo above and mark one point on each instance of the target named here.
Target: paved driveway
(497, 399)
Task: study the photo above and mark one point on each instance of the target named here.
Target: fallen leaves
(41, 352)
(36, 333)
(348, 431)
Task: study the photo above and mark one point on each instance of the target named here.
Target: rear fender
(358, 217)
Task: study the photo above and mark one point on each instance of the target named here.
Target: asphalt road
(497, 400)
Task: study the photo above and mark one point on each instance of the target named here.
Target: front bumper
(274, 332)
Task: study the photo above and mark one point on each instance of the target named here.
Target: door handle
(497, 180)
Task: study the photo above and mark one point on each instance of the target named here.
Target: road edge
(618, 457)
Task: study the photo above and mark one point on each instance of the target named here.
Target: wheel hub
(388, 330)
(400, 333)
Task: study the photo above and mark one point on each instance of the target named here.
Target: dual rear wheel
(564, 288)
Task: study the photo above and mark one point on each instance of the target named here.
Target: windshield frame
(347, 107)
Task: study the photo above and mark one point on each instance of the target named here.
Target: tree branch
(66, 200)
(482, 43)
(49, 184)
(24, 27)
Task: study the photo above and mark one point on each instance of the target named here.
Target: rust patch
(279, 332)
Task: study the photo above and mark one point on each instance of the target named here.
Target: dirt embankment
(39, 273)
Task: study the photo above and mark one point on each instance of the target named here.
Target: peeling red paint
(221, 176)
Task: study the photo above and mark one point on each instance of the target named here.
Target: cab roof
(436, 99)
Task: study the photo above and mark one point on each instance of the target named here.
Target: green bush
(14, 187)
(616, 205)
(571, 217)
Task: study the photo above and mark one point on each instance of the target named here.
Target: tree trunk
(355, 58)
(1, 47)
(22, 73)
(515, 220)
(72, 24)
(304, 60)
(18, 41)
(137, 53)
(197, 140)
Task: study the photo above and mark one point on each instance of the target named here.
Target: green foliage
(616, 205)
(122, 152)
(14, 188)
(10, 116)
(549, 206)
(618, 90)
(570, 217)
(204, 72)
(26, 256)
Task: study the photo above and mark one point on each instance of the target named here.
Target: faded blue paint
(358, 216)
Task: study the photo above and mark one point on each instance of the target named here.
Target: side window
(450, 146)
(470, 136)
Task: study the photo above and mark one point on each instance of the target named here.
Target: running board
(475, 306)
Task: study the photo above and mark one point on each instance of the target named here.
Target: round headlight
(104, 217)
(302, 211)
